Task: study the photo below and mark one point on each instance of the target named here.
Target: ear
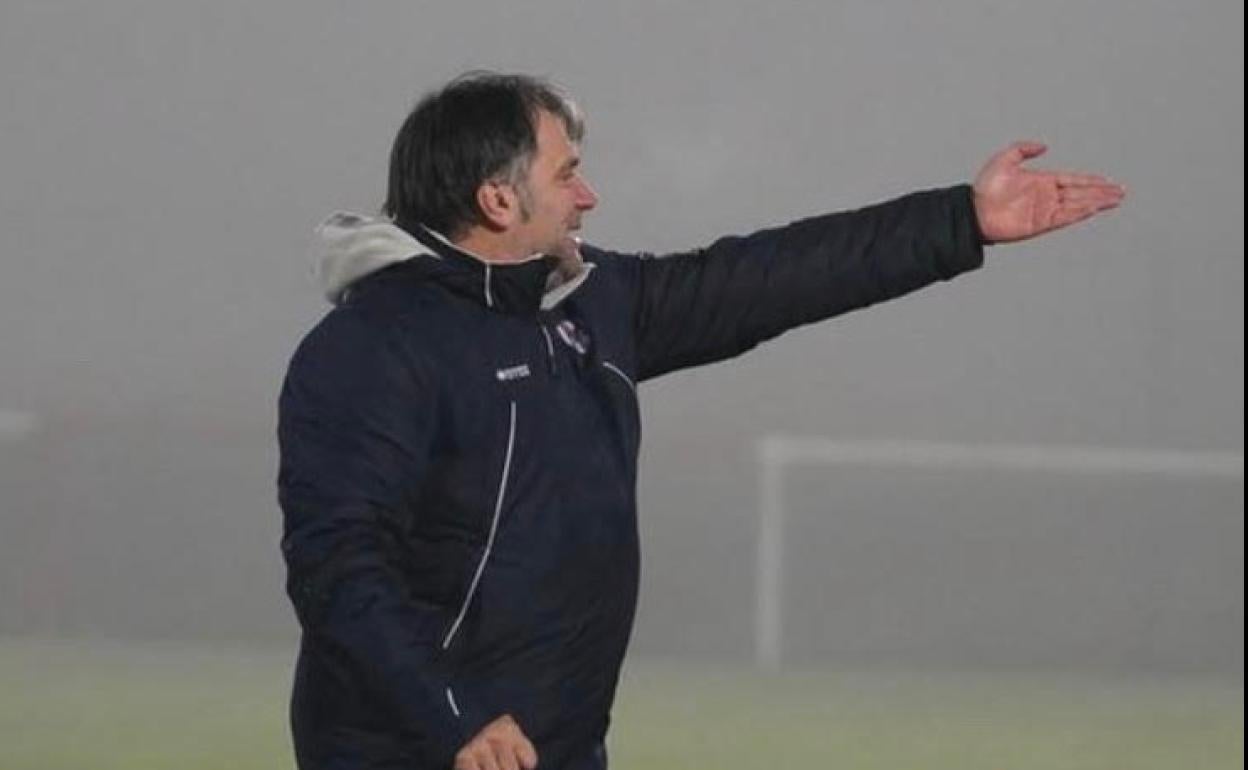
(499, 204)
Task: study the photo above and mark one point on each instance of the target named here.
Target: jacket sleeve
(714, 303)
(356, 423)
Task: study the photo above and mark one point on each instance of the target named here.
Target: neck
(495, 248)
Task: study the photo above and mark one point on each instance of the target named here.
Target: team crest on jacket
(572, 336)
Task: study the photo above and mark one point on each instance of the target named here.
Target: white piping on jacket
(489, 301)
(550, 345)
(489, 543)
(620, 373)
(450, 698)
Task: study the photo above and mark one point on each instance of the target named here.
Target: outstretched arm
(714, 303)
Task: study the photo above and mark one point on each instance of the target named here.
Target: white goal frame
(776, 453)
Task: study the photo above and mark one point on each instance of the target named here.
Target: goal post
(777, 453)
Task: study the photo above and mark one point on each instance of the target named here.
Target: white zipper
(550, 349)
(489, 543)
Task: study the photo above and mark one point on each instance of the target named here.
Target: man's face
(554, 194)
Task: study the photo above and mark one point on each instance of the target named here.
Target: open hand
(501, 745)
(1013, 203)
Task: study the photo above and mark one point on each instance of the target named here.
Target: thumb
(1006, 162)
(1020, 151)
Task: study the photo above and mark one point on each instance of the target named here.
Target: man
(459, 435)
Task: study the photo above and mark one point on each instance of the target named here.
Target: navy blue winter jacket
(458, 463)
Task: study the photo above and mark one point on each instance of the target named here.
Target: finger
(1093, 205)
(1079, 179)
(1070, 215)
(485, 757)
(1090, 195)
(1096, 191)
(1020, 151)
(1029, 148)
(526, 754)
(505, 755)
(466, 762)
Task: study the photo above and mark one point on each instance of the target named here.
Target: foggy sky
(162, 167)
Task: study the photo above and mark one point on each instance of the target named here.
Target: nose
(586, 198)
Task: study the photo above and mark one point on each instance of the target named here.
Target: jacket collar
(519, 288)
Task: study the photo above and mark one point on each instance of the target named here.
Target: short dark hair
(480, 126)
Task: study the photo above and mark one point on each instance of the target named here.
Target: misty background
(162, 167)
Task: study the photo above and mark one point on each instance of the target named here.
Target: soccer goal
(778, 456)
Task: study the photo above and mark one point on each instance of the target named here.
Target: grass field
(147, 706)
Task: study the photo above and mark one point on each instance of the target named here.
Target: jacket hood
(355, 246)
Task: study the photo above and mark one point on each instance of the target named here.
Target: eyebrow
(569, 164)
